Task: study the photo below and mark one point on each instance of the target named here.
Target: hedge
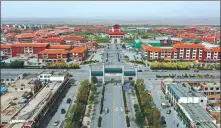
(99, 121)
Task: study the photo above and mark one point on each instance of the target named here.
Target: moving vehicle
(165, 105)
(56, 123)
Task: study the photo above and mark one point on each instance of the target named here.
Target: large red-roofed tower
(115, 33)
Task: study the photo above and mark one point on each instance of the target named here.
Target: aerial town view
(81, 64)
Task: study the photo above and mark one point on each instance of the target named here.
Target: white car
(56, 123)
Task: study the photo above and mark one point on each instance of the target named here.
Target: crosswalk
(117, 86)
(120, 109)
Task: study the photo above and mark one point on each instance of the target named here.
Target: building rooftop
(181, 90)
(54, 51)
(206, 125)
(211, 84)
(5, 75)
(79, 49)
(13, 95)
(37, 103)
(29, 45)
(196, 113)
(209, 45)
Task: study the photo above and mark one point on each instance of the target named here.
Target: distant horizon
(90, 12)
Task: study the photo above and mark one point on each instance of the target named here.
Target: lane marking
(113, 109)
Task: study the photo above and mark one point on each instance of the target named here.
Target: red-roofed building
(212, 54)
(26, 31)
(66, 47)
(28, 49)
(210, 39)
(78, 54)
(53, 55)
(74, 40)
(10, 36)
(115, 32)
(6, 49)
(25, 38)
(202, 52)
(55, 41)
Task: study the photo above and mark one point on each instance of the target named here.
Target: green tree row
(64, 65)
(14, 64)
(148, 115)
(80, 104)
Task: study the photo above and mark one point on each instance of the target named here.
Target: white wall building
(47, 76)
(9, 78)
(179, 93)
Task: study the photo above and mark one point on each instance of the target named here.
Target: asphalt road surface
(112, 54)
(114, 101)
(72, 92)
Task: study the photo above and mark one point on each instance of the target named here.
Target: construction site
(27, 100)
(32, 113)
(16, 97)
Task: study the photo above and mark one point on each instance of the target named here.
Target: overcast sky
(123, 9)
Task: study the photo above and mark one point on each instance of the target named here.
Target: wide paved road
(72, 93)
(114, 101)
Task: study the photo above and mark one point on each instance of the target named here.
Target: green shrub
(99, 121)
(128, 121)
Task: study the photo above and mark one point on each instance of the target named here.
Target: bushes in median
(99, 121)
(128, 121)
(125, 100)
(102, 100)
(137, 62)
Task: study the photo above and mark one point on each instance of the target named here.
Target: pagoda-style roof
(115, 32)
(116, 26)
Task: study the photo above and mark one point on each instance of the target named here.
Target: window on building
(12, 79)
(211, 88)
(217, 88)
(7, 79)
(205, 93)
(201, 100)
(211, 93)
(217, 92)
(2, 80)
(21, 88)
(206, 88)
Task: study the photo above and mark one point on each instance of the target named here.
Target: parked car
(63, 111)
(165, 105)
(162, 120)
(196, 70)
(68, 100)
(106, 110)
(56, 123)
(168, 111)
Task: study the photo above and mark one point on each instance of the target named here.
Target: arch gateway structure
(113, 71)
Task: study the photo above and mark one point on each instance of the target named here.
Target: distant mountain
(114, 20)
